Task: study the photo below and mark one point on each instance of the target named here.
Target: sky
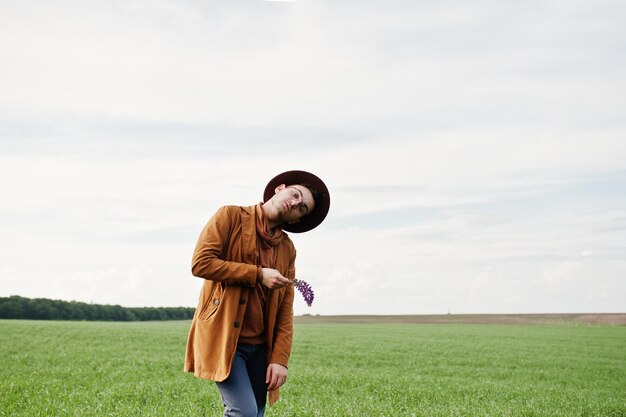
(475, 152)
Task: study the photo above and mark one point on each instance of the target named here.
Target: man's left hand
(276, 376)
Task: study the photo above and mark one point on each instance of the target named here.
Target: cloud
(409, 66)
(473, 152)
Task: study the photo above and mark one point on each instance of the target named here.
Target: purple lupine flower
(305, 289)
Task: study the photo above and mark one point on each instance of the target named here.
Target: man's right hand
(273, 279)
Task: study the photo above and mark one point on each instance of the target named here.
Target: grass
(135, 369)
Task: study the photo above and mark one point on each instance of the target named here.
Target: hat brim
(322, 204)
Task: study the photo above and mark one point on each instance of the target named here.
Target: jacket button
(242, 301)
(237, 325)
(216, 302)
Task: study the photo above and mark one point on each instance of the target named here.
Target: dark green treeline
(16, 307)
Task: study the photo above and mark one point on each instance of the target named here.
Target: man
(242, 330)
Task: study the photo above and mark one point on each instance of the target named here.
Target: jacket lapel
(248, 230)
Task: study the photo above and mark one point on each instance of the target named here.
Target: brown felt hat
(322, 202)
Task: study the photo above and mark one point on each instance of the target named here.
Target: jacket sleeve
(283, 330)
(209, 257)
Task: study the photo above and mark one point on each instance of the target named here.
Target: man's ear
(279, 188)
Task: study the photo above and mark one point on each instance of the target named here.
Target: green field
(135, 369)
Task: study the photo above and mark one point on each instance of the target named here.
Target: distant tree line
(16, 307)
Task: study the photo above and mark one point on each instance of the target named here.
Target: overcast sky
(475, 151)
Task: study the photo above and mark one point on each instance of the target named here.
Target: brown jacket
(225, 258)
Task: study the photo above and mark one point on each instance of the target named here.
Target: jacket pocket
(212, 302)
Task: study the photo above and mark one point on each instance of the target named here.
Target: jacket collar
(249, 209)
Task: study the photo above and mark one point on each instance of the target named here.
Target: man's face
(293, 202)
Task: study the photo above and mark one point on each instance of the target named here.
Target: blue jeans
(244, 391)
